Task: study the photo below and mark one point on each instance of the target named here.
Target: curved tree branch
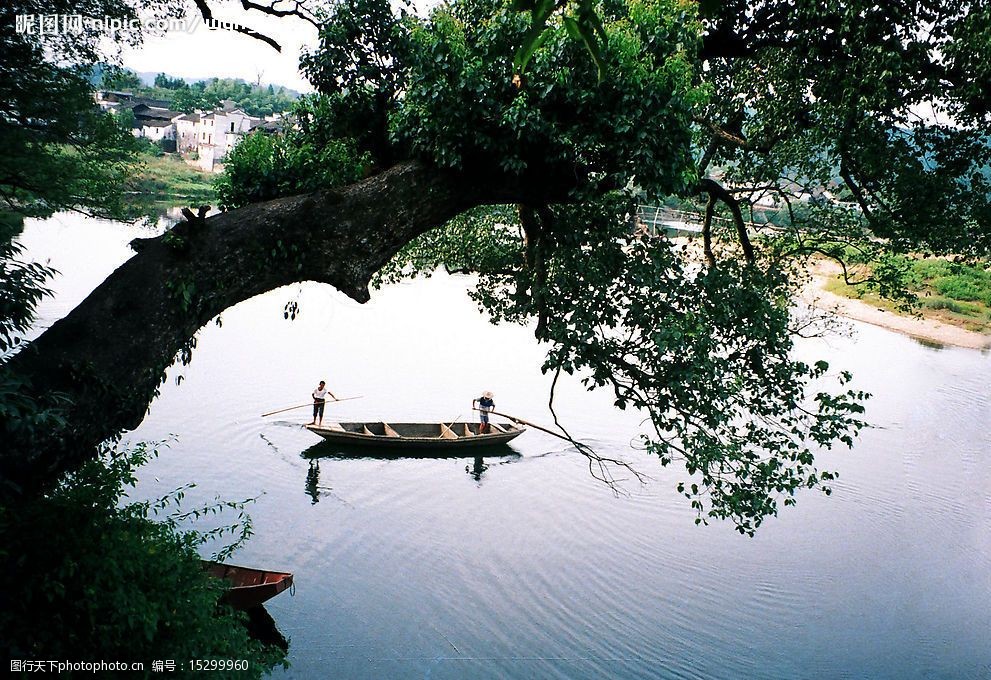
(207, 15)
(299, 10)
(716, 190)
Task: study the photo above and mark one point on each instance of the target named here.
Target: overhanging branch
(297, 10)
(207, 15)
(109, 354)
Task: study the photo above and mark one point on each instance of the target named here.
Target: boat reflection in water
(333, 450)
(261, 626)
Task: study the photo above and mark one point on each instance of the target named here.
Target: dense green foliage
(306, 157)
(858, 99)
(164, 82)
(954, 280)
(446, 89)
(116, 78)
(255, 100)
(704, 352)
(360, 68)
(99, 578)
(579, 17)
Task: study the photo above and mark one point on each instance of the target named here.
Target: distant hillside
(147, 79)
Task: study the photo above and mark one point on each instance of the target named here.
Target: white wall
(185, 131)
(157, 133)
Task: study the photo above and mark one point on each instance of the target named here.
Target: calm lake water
(529, 568)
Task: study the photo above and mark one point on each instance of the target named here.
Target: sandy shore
(929, 330)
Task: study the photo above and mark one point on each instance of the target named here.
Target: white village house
(211, 135)
(153, 122)
(204, 138)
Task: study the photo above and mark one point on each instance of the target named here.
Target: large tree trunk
(109, 355)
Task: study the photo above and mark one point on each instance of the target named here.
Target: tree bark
(110, 354)
(714, 189)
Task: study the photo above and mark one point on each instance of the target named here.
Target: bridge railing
(661, 219)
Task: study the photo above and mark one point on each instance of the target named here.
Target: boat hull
(249, 587)
(416, 435)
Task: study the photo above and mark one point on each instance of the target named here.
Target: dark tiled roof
(115, 95)
(145, 101)
(269, 126)
(143, 111)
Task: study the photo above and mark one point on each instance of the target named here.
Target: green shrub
(149, 148)
(932, 268)
(90, 578)
(304, 158)
(961, 287)
(952, 306)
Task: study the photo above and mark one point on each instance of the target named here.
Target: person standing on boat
(319, 400)
(485, 404)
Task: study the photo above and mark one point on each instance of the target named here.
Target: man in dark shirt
(485, 404)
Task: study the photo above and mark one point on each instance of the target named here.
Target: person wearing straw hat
(485, 404)
(319, 400)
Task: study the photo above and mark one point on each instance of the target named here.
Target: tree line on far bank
(254, 99)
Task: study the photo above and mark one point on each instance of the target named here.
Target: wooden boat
(417, 435)
(249, 587)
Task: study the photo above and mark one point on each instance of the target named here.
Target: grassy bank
(169, 178)
(954, 293)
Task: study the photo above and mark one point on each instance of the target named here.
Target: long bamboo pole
(291, 408)
(529, 424)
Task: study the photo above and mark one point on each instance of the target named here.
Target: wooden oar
(533, 425)
(291, 408)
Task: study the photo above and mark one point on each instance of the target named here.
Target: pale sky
(225, 54)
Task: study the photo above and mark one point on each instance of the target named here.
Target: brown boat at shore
(249, 587)
(417, 435)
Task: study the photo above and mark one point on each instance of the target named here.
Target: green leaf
(586, 35)
(532, 42)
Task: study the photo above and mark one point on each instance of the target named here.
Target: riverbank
(167, 177)
(932, 325)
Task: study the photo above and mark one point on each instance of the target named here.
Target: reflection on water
(523, 565)
(313, 481)
(931, 344)
(262, 627)
(477, 468)
(336, 451)
(327, 449)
